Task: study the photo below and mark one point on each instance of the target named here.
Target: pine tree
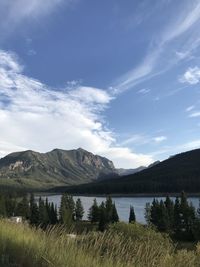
(132, 215)
(93, 214)
(109, 209)
(162, 215)
(23, 208)
(169, 204)
(177, 219)
(196, 225)
(53, 214)
(43, 213)
(154, 212)
(10, 205)
(79, 211)
(3, 212)
(102, 217)
(187, 213)
(147, 213)
(115, 217)
(67, 210)
(34, 212)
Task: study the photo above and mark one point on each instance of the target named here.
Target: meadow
(122, 245)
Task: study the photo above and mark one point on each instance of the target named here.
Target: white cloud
(144, 91)
(137, 139)
(195, 114)
(159, 139)
(194, 144)
(14, 13)
(34, 116)
(91, 95)
(191, 76)
(139, 73)
(187, 18)
(191, 145)
(140, 139)
(9, 62)
(152, 64)
(188, 109)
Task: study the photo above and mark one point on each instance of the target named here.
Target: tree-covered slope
(180, 172)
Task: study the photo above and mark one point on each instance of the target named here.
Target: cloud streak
(151, 66)
(14, 13)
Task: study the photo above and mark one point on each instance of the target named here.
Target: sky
(118, 78)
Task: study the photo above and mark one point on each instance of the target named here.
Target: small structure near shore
(16, 219)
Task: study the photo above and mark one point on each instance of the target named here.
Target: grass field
(121, 246)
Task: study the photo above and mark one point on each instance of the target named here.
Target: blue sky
(118, 78)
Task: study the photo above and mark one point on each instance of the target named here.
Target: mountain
(31, 169)
(180, 172)
(123, 172)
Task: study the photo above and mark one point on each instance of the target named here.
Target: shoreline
(197, 195)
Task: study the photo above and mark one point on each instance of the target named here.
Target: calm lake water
(122, 204)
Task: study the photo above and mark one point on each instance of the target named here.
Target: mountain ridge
(55, 167)
(177, 173)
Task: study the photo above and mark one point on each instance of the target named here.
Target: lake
(122, 204)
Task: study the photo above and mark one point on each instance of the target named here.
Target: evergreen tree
(177, 219)
(154, 212)
(53, 214)
(3, 212)
(93, 214)
(131, 215)
(115, 217)
(196, 225)
(23, 208)
(10, 204)
(187, 214)
(169, 204)
(67, 210)
(34, 212)
(79, 211)
(147, 213)
(102, 217)
(109, 209)
(162, 218)
(43, 213)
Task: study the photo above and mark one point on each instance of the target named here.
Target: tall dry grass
(121, 246)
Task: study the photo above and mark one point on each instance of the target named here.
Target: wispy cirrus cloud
(141, 139)
(159, 139)
(144, 91)
(195, 114)
(194, 144)
(151, 65)
(14, 13)
(35, 116)
(190, 108)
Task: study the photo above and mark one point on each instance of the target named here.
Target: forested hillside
(180, 172)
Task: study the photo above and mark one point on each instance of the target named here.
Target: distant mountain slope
(58, 167)
(123, 172)
(180, 172)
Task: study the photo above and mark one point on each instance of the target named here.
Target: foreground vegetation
(129, 245)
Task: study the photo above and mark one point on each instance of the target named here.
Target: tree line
(43, 213)
(178, 218)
